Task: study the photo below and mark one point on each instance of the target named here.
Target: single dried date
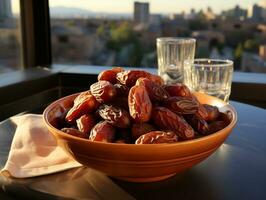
(110, 75)
(85, 123)
(114, 115)
(84, 103)
(213, 112)
(140, 106)
(166, 119)
(130, 77)
(103, 91)
(155, 91)
(182, 105)
(102, 132)
(199, 124)
(157, 137)
(178, 89)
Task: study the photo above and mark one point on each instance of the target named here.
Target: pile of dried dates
(136, 107)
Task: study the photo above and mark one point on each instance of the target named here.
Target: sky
(156, 6)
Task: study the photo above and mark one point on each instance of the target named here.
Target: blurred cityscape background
(82, 36)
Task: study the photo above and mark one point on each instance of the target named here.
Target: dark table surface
(237, 170)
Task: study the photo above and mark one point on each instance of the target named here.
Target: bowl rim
(196, 140)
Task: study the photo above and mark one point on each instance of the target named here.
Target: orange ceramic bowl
(138, 163)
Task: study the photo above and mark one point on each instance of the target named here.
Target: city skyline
(156, 6)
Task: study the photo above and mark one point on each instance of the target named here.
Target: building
(5, 9)
(253, 62)
(6, 17)
(141, 13)
(236, 13)
(257, 12)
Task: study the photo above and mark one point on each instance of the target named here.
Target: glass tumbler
(175, 57)
(212, 76)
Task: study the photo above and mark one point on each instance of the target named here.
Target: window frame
(35, 33)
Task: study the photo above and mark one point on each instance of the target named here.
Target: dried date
(140, 106)
(85, 123)
(130, 77)
(102, 132)
(213, 112)
(199, 124)
(103, 91)
(178, 89)
(166, 119)
(182, 105)
(157, 137)
(114, 115)
(84, 103)
(110, 75)
(155, 92)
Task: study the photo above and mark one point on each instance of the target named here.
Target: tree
(251, 45)
(238, 56)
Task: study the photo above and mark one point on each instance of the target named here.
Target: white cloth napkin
(34, 150)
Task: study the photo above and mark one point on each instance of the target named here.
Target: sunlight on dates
(114, 115)
(102, 132)
(157, 137)
(110, 75)
(140, 106)
(166, 119)
(103, 91)
(85, 123)
(135, 106)
(84, 103)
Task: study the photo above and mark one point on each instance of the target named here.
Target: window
(10, 36)
(124, 32)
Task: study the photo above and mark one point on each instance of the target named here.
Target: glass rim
(176, 39)
(208, 62)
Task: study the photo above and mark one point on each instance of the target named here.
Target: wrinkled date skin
(85, 123)
(155, 92)
(213, 112)
(102, 132)
(178, 89)
(75, 132)
(199, 124)
(110, 75)
(84, 103)
(140, 129)
(116, 116)
(182, 105)
(121, 90)
(140, 106)
(166, 119)
(103, 91)
(157, 137)
(130, 77)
